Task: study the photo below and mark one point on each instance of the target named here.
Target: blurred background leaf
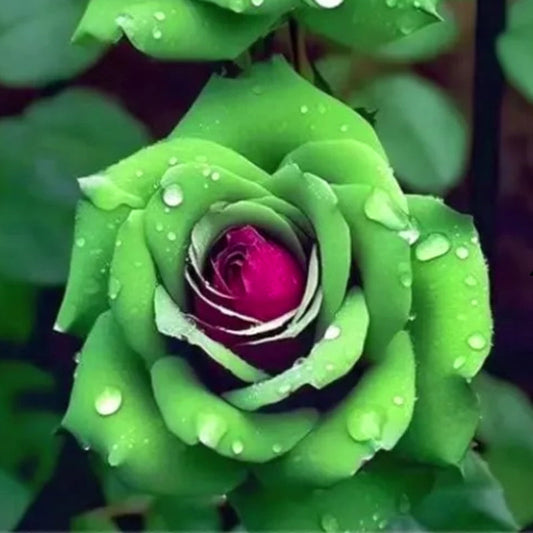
(515, 47)
(424, 134)
(35, 47)
(41, 153)
(17, 309)
(506, 432)
(14, 499)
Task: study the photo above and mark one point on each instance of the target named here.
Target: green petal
(133, 181)
(174, 29)
(86, 293)
(112, 411)
(172, 322)
(254, 7)
(331, 358)
(132, 286)
(315, 198)
(188, 191)
(451, 332)
(220, 218)
(367, 25)
(277, 112)
(196, 415)
(372, 417)
(366, 502)
(383, 259)
(290, 212)
(347, 162)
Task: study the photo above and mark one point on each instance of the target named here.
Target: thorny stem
(488, 94)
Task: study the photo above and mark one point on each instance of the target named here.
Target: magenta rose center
(257, 277)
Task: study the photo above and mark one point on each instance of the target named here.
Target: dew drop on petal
(210, 429)
(304, 109)
(160, 16)
(237, 447)
(380, 208)
(172, 195)
(276, 448)
(364, 425)
(171, 236)
(333, 332)
(114, 288)
(459, 362)
(329, 4)
(477, 341)
(470, 281)
(108, 402)
(462, 252)
(433, 246)
(329, 523)
(398, 400)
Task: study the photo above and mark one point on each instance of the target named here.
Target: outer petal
(174, 29)
(196, 415)
(86, 293)
(373, 416)
(451, 332)
(277, 111)
(383, 259)
(366, 502)
(132, 284)
(368, 25)
(254, 7)
(112, 410)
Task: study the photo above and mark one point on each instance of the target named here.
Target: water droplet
(159, 227)
(108, 402)
(215, 176)
(398, 400)
(171, 236)
(333, 332)
(471, 281)
(257, 3)
(139, 173)
(114, 288)
(459, 362)
(80, 242)
(364, 425)
(173, 161)
(329, 4)
(284, 389)
(344, 128)
(116, 456)
(380, 208)
(406, 279)
(85, 446)
(330, 367)
(172, 195)
(118, 244)
(411, 317)
(257, 89)
(77, 357)
(433, 246)
(321, 109)
(157, 34)
(462, 252)
(304, 109)
(411, 234)
(382, 524)
(477, 341)
(391, 3)
(276, 448)
(404, 505)
(237, 447)
(474, 240)
(160, 16)
(474, 303)
(329, 523)
(211, 429)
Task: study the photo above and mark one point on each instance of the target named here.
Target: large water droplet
(329, 523)
(433, 246)
(160, 16)
(108, 402)
(172, 195)
(477, 341)
(211, 429)
(333, 332)
(380, 208)
(364, 425)
(411, 234)
(329, 4)
(171, 236)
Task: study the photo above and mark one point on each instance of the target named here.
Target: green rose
(393, 320)
(223, 29)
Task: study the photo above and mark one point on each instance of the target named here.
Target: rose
(223, 29)
(169, 259)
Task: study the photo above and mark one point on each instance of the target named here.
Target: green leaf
(41, 153)
(367, 25)
(506, 431)
(424, 44)
(93, 521)
(465, 499)
(424, 134)
(35, 46)
(17, 308)
(14, 500)
(515, 48)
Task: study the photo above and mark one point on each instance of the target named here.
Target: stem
(488, 94)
